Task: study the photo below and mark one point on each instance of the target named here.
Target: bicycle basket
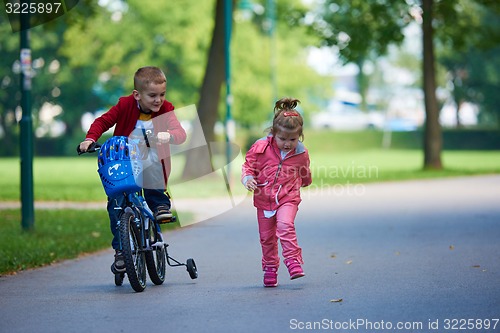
(119, 165)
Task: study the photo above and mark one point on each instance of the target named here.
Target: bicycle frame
(136, 200)
(142, 243)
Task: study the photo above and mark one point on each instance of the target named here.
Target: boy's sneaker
(270, 276)
(119, 264)
(294, 269)
(162, 213)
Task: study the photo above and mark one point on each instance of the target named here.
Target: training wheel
(119, 279)
(191, 268)
(119, 276)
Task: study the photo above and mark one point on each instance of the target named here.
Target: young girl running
(275, 168)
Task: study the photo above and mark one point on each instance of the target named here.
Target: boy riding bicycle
(143, 112)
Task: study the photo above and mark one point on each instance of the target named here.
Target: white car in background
(348, 118)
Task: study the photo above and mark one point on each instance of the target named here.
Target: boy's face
(287, 140)
(152, 97)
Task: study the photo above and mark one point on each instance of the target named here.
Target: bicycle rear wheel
(156, 258)
(135, 261)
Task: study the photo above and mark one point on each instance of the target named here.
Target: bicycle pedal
(168, 220)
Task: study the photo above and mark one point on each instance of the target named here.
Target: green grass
(336, 158)
(379, 165)
(75, 179)
(58, 235)
(55, 179)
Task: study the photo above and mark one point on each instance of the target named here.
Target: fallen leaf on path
(452, 247)
(348, 262)
(336, 300)
(333, 255)
(476, 266)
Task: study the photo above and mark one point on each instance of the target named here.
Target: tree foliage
(85, 60)
(470, 52)
(49, 70)
(362, 30)
(253, 50)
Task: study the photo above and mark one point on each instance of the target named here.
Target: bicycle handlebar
(149, 139)
(94, 146)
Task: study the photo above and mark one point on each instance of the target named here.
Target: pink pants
(280, 226)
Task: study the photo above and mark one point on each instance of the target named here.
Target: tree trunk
(198, 160)
(432, 133)
(458, 103)
(363, 85)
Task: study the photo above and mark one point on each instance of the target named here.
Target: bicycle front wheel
(156, 258)
(135, 262)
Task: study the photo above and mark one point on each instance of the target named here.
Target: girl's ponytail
(286, 117)
(286, 104)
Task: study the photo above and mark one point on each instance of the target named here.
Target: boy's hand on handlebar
(84, 146)
(163, 137)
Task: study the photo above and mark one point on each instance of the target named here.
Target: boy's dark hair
(145, 76)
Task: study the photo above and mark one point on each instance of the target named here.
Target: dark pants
(154, 198)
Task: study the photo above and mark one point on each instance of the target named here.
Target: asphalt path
(415, 256)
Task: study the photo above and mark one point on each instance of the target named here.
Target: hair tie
(290, 114)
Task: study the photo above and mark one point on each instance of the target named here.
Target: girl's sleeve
(248, 169)
(305, 173)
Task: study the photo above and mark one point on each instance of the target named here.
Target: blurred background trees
(460, 31)
(85, 60)
(86, 63)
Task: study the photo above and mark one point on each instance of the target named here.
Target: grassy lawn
(58, 235)
(336, 158)
(377, 165)
(76, 179)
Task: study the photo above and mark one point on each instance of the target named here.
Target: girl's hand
(251, 184)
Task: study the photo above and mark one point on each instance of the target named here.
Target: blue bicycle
(143, 246)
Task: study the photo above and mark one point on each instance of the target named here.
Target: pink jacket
(278, 181)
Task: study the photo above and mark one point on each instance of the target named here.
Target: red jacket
(278, 181)
(125, 115)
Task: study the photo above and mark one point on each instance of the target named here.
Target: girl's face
(287, 140)
(152, 97)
